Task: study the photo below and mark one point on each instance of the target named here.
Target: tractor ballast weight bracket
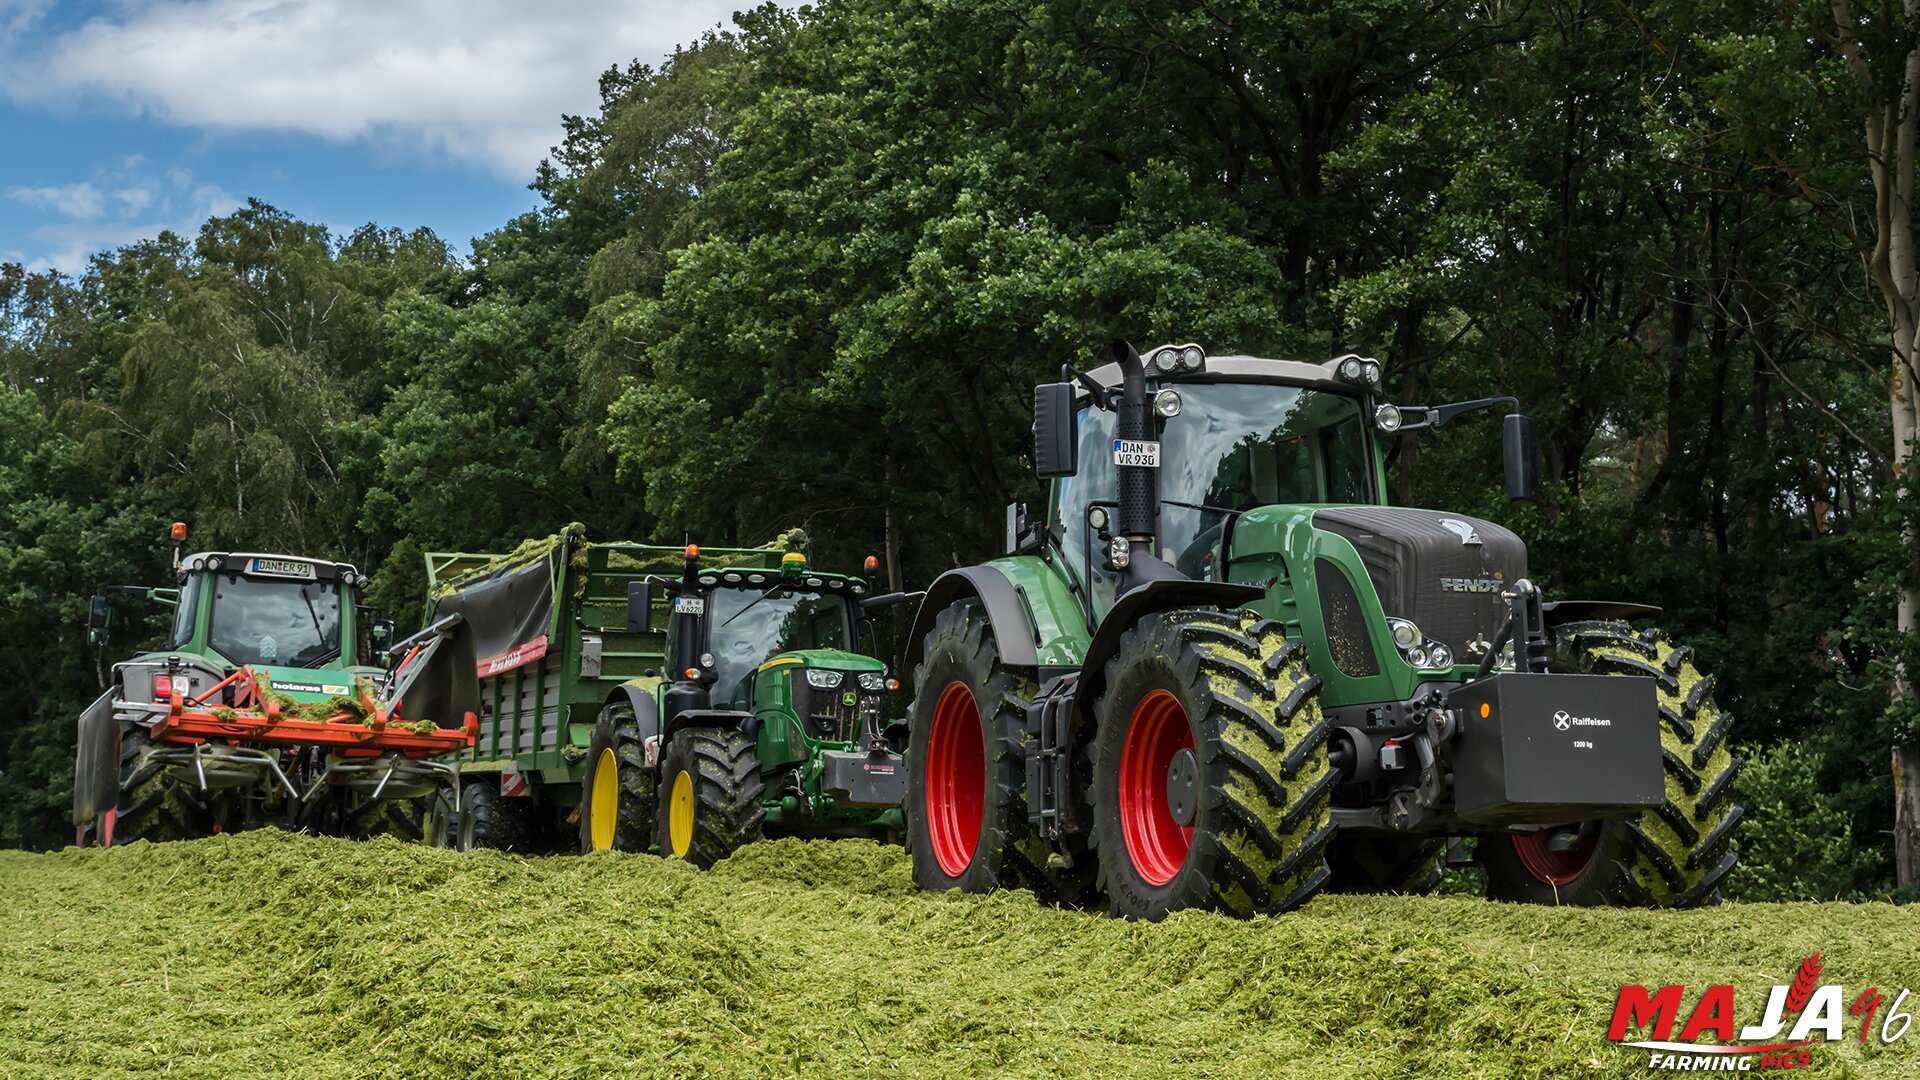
(1548, 748)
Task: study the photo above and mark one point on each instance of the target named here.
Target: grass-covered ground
(273, 955)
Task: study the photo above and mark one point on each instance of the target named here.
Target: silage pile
(265, 954)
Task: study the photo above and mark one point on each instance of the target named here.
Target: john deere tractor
(664, 699)
(1222, 673)
(263, 707)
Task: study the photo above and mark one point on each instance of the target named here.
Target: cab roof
(243, 562)
(1321, 375)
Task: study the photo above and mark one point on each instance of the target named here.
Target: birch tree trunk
(1891, 124)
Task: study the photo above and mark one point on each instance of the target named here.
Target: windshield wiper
(756, 603)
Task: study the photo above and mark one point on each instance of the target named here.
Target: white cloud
(135, 199)
(477, 81)
(141, 209)
(81, 200)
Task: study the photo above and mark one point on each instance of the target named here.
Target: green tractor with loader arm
(1223, 673)
(264, 707)
(646, 698)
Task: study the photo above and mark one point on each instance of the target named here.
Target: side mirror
(381, 631)
(99, 615)
(1521, 458)
(639, 607)
(1056, 431)
(887, 600)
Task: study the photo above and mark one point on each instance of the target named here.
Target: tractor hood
(190, 675)
(1443, 572)
(827, 659)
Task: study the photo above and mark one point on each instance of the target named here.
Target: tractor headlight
(1167, 403)
(1405, 634)
(873, 680)
(1387, 418)
(1119, 552)
(1440, 656)
(1192, 357)
(1359, 370)
(822, 680)
(1417, 656)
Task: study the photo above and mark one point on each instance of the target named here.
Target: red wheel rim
(1156, 843)
(956, 780)
(1551, 867)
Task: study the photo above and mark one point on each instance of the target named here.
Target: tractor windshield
(749, 625)
(1236, 446)
(275, 623)
(1233, 447)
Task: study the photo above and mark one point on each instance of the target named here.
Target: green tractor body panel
(1278, 548)
(1052, 609)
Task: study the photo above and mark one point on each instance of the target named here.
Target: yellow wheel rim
(680, 815)
(605, 809)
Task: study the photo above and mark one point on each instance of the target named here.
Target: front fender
(646, 710)
(1154, 596)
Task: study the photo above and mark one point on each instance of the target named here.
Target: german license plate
(280, 568)
(1136, 452)
(690, 605)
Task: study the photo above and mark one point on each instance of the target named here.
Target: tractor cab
(1265, 468)
(294, 618)
(781, 645)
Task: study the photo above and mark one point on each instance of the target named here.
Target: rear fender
(1037, 620)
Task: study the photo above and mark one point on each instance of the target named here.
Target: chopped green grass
(265, 954)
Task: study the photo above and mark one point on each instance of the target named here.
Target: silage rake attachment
(371, 738)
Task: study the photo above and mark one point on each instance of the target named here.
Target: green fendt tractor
(263, 708)
(1222, 673)
(657, 699)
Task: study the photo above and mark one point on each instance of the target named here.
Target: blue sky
(124, 117)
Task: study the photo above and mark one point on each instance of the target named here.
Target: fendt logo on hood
(1461, 529)
(1474, 584)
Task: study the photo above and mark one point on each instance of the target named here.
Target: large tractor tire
(966, 804)
(1212, 785)
(153, 805)
(617, 801)
(1407, 866)
(489, 819)
(1673, 856)
(709, 795)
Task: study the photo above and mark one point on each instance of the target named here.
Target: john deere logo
(849, 698)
